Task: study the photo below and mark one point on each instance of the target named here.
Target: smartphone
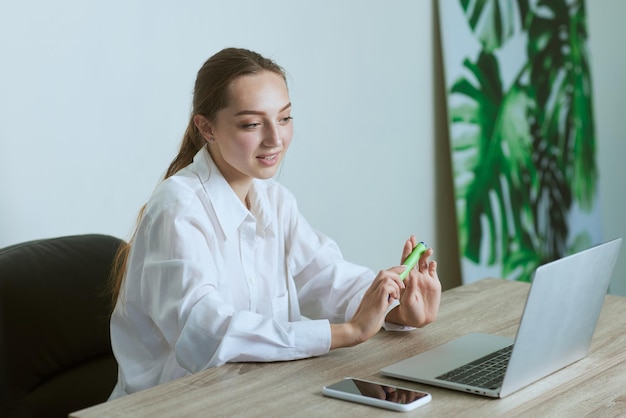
(377, 394)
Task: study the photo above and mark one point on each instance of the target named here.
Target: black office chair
(55, 349)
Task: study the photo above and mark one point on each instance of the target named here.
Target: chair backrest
(55, 349)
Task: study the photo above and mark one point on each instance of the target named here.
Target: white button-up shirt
(210, 282)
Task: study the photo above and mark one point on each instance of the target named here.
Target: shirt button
(251, 279)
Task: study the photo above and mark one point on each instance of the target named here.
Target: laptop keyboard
(486, 372)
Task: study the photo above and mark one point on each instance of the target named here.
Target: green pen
(412, 259)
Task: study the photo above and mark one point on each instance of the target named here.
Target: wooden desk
(593, 386)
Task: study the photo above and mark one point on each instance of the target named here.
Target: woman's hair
(209, 97)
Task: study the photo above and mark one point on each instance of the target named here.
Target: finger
(432, 268)
(408, 247)
(393, 396)
(389, 283)
(406, 250)
(390, 290)
(396, 269)
(423, 261)
(394, 274)
(412, 285)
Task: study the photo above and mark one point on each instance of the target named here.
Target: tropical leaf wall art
(521, 133)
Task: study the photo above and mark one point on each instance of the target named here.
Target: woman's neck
(239, 182)
(242, 192)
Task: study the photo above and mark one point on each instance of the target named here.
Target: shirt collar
(228, 208)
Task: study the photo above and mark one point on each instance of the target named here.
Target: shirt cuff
(312, 338)
(390, 326)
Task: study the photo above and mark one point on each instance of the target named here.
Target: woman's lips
(268, 159)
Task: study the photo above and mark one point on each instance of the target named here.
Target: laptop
(559, 319)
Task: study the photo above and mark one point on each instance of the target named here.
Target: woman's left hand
(419, 300)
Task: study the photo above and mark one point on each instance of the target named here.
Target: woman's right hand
(370, 315)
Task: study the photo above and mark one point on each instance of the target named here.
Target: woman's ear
(204, 126)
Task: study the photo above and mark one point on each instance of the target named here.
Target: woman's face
(251, 135)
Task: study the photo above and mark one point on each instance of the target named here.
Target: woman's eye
(287, 119)
(251, 125)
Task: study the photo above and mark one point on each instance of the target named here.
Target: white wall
(94, 98)
(608, 59)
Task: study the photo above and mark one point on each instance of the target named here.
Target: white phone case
(344, 390)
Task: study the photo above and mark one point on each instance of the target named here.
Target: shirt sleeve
(328, 285)
(391, 326)
(179, 290)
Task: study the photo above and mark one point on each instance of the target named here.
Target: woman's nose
(272, 136)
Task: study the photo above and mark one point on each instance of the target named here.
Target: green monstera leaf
(523, 153)
(561, 77)
(492, 21)
(564, 138)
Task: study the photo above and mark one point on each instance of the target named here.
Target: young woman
(222, 266)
